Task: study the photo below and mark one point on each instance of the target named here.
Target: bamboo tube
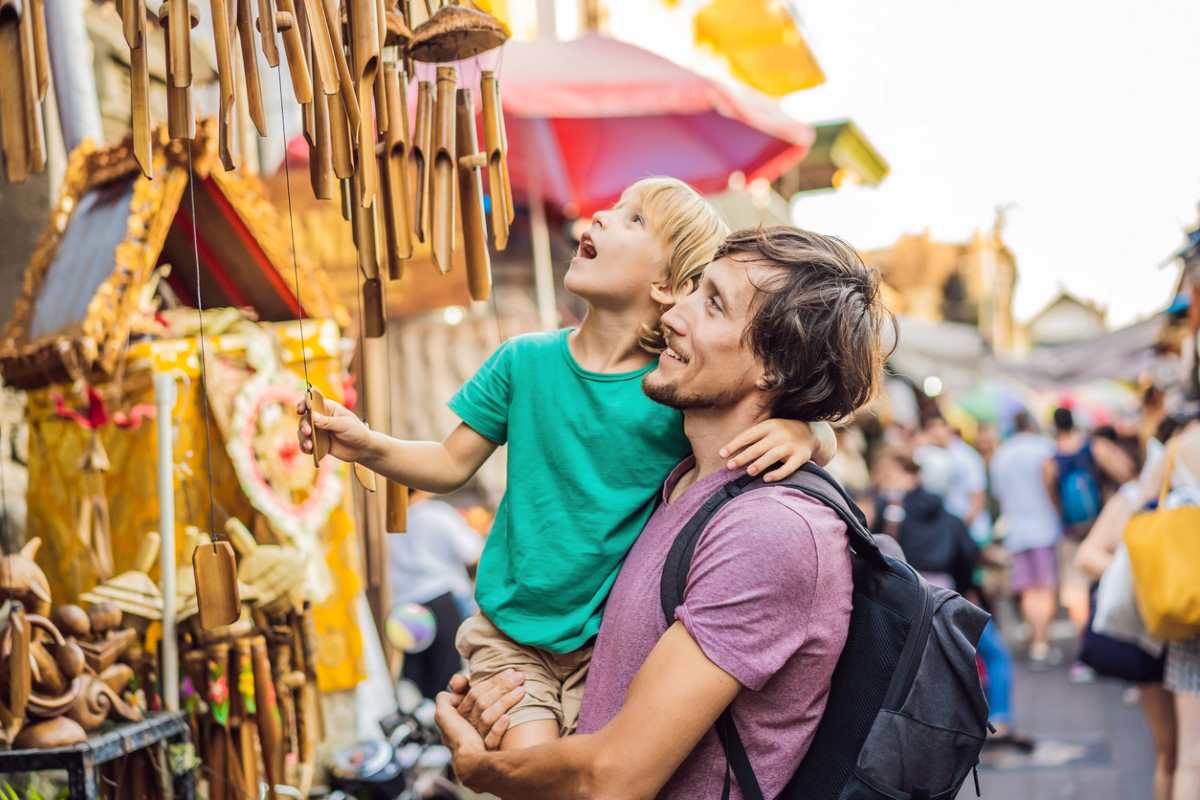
(253, 85)
(41, 48)
(397, 508)
(444, 159)
(225, 81)
(270, 735)
(320, 152)
(267, 31)
(333, 21)
(13, 130)
(374, 323)
(139, 86)
(324, 62)
(285, 20)
(395, 172)
(421, 148)
(35, 136)
(246, 744)
(496, 147)
(364, 36)
(179, 53)
(341, 148)
(365, 225)
(180, 122)
(470, 192)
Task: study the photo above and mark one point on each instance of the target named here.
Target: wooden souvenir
(454, 33)
(226, 99)
(41, 48)
(470, 192)
(100, 654)
(288, 25)
(71, 620)
(340, 144)
(21, 579)
(215, 570)
(364, 42)
(364, 224)
(246, 739)
(421, 149)
(374, 323)
(395, 172)
(181, 124)
(13, 131)
(308, 645)
(270, 733)
(496, 144)
(19, 676)
(333, 21)
(253, 84)
(267, 30)
(50, 733)
(97, 700)
(443, 183)
(321, 439)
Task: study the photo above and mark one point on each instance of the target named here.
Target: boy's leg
(537, 717)
(573, 670)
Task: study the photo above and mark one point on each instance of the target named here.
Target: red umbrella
(590, 116)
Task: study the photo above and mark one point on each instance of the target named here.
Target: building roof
(112, 226)
(840, 155)
(1067, 298)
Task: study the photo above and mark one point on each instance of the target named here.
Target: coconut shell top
(397, 32)
(454, 33)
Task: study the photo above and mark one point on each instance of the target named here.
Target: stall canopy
(761, 42)
(587, 118)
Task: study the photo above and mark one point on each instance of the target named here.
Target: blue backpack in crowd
(906, 715)
(1078, 486)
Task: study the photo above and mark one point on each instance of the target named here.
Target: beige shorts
(553, 681)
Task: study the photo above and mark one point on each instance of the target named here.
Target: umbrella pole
(543, 271)
(164, 399)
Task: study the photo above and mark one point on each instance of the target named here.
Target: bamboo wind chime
(350, 63)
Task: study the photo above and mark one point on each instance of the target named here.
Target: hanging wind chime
(350, 63)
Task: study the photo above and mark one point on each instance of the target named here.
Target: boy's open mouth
(587, 248)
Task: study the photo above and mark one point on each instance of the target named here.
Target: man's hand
(349, 436)
(458, 734)
(485, 705)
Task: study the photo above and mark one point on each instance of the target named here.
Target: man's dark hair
(1023, 422)
(817, 323)
(1064, 420)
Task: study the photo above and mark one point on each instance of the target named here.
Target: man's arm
(673, 701)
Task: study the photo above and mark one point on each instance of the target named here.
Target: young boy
(588, 451)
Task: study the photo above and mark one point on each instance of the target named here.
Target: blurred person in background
(1034, 528)
(1082, 467)
(430, 564)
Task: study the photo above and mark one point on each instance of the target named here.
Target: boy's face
(708, 363)
(619, 257)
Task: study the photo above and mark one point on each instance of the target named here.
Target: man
(785, 323)
(966, 492)
(1033, 528)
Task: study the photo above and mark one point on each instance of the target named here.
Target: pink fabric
(768, 601)
(1036, 568)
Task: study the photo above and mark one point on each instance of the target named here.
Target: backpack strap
(817, 484)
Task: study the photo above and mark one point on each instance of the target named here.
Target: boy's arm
(787, 442)
(437, 467)
(676, 697)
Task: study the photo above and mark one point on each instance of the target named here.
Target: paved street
(1092, 745)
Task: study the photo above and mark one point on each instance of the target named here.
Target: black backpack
(906, 717)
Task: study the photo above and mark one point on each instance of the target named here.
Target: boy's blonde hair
(692, 231)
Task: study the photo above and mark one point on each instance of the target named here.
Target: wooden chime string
(287, 174)
(212, 502)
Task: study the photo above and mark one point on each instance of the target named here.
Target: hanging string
(287, 174)
(212, 503)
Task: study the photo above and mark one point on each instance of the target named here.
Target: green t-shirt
(587, 453)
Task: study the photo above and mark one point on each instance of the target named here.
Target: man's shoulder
(767, 514)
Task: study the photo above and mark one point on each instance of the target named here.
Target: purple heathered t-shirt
(768, 601)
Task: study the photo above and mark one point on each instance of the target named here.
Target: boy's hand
(350, 438)
(789, 443)
(485, 705)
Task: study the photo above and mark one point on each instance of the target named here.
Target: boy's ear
(660, 292)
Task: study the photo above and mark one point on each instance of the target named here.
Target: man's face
(708, 363)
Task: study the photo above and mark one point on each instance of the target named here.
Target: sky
(1082, 117)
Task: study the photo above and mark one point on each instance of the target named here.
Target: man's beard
(670, 395)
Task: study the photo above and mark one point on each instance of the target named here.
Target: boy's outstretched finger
(496, 734)
(750, 454)
(767, 460)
